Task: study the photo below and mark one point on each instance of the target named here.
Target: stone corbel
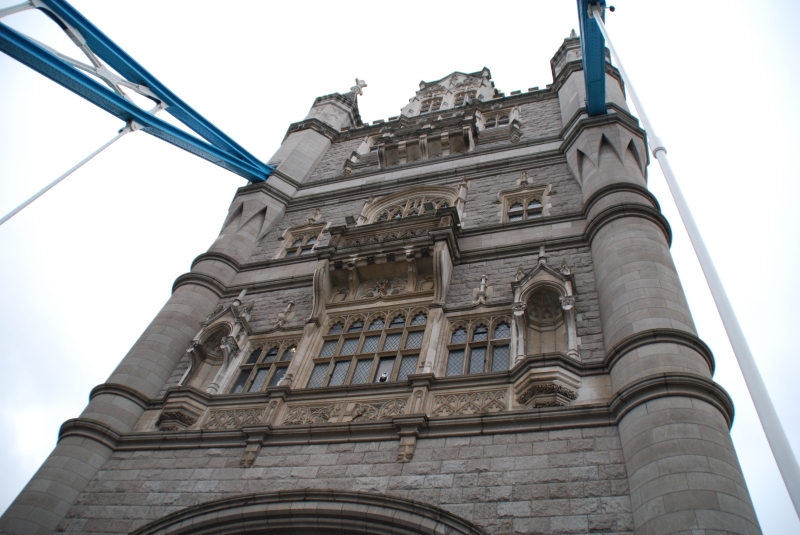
(409, 428)
(515, 131)
(412, 273)
(423, 146)
(255, 438)
(518, 328)
(181, 411)
(319, 295)
(401, 152)
(445, 139)
(469, 140)
(353, 282)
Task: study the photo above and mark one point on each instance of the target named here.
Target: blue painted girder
(220, 149)
(593, 50)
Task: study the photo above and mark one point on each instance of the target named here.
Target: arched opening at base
(311, 512)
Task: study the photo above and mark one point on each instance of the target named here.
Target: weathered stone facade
(464, 319)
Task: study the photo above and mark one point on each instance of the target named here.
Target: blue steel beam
(116, 58)
(593, 49)
(30, 54)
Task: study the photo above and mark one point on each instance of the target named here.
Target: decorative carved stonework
(175, 420)
(469, 403)
(305, 415)
(544, 307)
(382, 288)
(378, 411)
(546, 395)
(234, 418)
(400, 234)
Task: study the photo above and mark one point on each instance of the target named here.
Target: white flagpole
(781, 449)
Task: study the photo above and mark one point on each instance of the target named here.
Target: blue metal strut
(219, 148)
(593, 50)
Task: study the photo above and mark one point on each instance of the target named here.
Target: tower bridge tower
(465, 319)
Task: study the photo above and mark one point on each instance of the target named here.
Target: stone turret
(681, 464)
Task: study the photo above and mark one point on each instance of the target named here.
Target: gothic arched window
(262, 367)
(483, 353)
(381, 353)
(461, 97)
(522, 208)
(432, 104)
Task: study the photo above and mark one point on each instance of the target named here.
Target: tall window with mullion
(521, 208)
(382, 348)
(264, 366)
(479, 347)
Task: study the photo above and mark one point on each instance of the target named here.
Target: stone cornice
(522, 420)
(577, 65)
(219, 257)
(627, 210)
(621, 187)
(581, 122)
(316, 125)
(200, 279)
(468, 170)
(670, 385)
(659, 336)
(123, 391)
(91, 429)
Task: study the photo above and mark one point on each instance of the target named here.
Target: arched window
(262, 368)
(483, 353)
(382, 353)
(462, 97)
(521, 208)
(495, 121)
(432, 104)
(412, 205)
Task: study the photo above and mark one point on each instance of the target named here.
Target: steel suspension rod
(776, 436)
(52, 184)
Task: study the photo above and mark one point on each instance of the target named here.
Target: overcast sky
(86, 268)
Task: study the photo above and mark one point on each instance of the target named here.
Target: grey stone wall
(482, 207)
(540, 119)
(466, 277)
(332, 211)
(571, 481)
(333, 162)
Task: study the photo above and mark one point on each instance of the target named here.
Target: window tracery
(479, 346)
(525, 202)
(265, 365)
(383, 347)
(300, 241)
(411, 207)
(429, 105)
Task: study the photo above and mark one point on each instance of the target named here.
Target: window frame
(431, 102)
(470, 344)
(527, 213)
(358, 354)
(283, 346)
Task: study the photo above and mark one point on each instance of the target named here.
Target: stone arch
(311, 512)
(410, 201)
(207, 355)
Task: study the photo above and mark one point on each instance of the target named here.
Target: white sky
(85, 268)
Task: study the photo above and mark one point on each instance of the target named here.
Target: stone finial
(572, 34)
(483, 291)
(520, 274)
(315, 217)
(565, 268)
(542, 255)
(358, 88)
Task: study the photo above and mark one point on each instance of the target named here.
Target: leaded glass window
(488, 349)
(262, 368)
(387, 348)
(522, 208)
(300, 245)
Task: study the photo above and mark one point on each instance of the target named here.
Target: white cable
(52, 184)
(776, 436)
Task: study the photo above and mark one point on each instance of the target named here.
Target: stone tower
(464, 319)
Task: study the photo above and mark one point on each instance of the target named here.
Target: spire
(572, 34)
